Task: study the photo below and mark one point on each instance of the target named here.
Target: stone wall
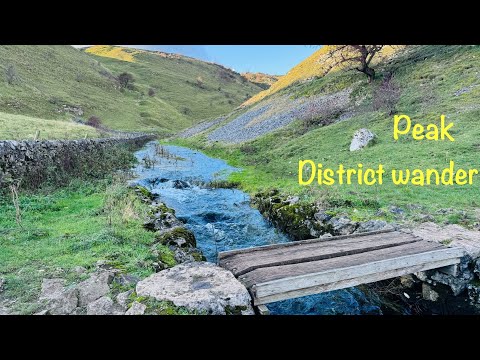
(36, 162)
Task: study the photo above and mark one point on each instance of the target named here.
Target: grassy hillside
(264, 80)
(315, 65)
(191, 88)
(60, 82)
(433, 80)
(19, 127)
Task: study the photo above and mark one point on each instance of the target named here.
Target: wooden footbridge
(284, 271)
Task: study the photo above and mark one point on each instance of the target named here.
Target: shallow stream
(222, 219)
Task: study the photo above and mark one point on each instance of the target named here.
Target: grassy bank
(69, 227)
(432, 81)
(19, 127)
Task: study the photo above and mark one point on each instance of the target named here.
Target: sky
(270, 59)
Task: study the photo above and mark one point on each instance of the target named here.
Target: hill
(263, 80)
(60, 82)
(316, 119)
(316, 65)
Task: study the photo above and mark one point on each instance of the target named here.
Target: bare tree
(358, 57)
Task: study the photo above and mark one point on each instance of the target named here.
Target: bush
(151, 92)
(126, 80)
(94, 121)
(11, 75)
(386, 95)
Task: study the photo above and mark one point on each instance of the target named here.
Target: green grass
(74, 226)
(19, 127)
(428, 77)
(49, 77)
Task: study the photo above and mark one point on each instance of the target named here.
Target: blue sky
(270, 59)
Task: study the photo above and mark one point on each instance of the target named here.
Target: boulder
(343, 225)
(136, 309)
(102, 306)
(199, 286)
(59, 301)
(95, 287)
(361, 139)
(2, 283)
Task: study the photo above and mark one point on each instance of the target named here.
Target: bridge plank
(224, 254)
(243, 263)
(343, 284)
(267, 274)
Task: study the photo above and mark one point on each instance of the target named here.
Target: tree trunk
(370, 73)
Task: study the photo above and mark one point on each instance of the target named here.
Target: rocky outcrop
(199, 286)
(58, 300)
(42, 160)
(95, 287)
(361, 139)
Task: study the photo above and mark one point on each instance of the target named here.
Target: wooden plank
(240, 265)
(273, 250)
(343, 284)
(286, 271)
(335, 275)
(224, 254)
(262, 310)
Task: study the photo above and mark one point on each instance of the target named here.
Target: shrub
(94, 121)
(151, 92)
(126, 80)
(11, 75)
(386, 95)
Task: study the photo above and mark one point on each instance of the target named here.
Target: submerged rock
(428, 293)
(361, 139)
(199, 286)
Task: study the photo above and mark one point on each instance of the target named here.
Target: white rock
(199, 286)
(361, 139)
(428, 293)
(136, 309)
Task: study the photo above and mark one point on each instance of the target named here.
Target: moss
(162, 209)
(198, 256)
(223, 184)
(235, 310)
(170, 237)
(145, 192)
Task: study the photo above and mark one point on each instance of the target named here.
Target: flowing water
(222, 219)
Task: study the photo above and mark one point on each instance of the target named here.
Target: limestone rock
(343, 225)
(428, 293)
(361, 139)
(95, 287)
(199, 286)
(136, 309)
(126, 279)
(79, 270)
(102, 306)
(59, 301)
(373, 225)
(122, 298)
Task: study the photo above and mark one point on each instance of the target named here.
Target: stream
(222, 219)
